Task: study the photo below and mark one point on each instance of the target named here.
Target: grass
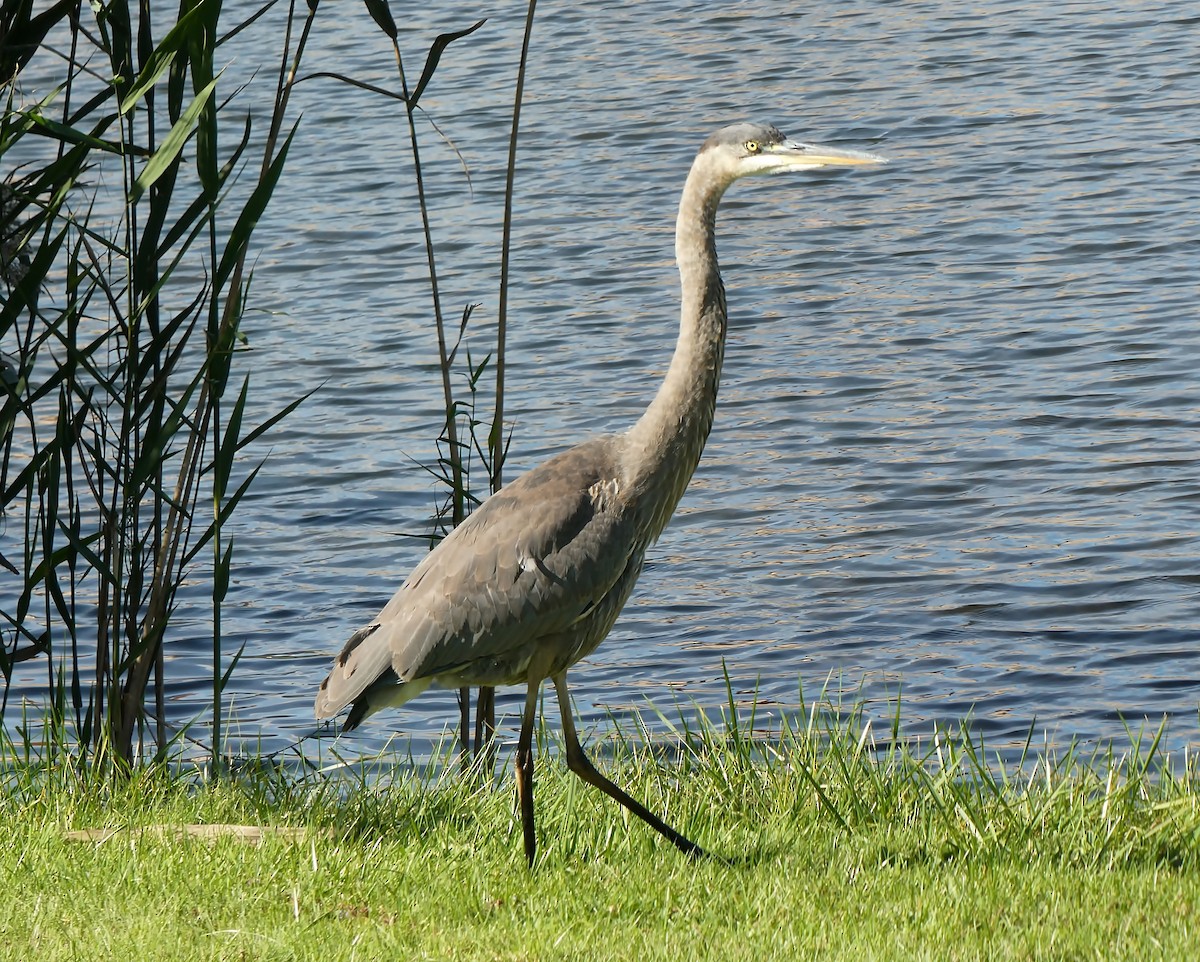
(829, 848)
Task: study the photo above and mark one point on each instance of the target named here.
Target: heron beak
(815, 155)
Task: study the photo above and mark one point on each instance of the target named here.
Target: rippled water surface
(956, 452)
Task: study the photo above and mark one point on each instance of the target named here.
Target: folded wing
(532, 561)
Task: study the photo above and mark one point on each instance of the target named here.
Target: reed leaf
(239, 236)
(160, 58)
(168, 153)
(23, 34)
(434, 57)
(381, 13)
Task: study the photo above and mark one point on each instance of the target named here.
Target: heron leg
(524, 767)
(579, 763)
(464, 729)
(485, 726)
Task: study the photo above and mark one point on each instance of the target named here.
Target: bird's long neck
(664, 446)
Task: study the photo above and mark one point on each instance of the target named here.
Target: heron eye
(752, 146)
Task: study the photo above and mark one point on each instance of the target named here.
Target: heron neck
(664, 446)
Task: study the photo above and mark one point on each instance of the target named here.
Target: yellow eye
(751, 146)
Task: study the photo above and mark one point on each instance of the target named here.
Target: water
(955, 457)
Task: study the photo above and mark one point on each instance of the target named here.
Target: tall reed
(461, 412)
(119, 425)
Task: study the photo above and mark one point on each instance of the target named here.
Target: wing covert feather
(530, 561)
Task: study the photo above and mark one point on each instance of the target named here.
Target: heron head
(747, 149)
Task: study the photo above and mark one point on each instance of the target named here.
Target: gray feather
(533, 560)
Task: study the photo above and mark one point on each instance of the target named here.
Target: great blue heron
(534, 579)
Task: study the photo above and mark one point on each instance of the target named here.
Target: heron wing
(534, 558)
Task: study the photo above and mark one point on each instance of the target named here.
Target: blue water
(955, 456)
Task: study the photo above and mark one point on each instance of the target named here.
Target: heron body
(535, 578)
